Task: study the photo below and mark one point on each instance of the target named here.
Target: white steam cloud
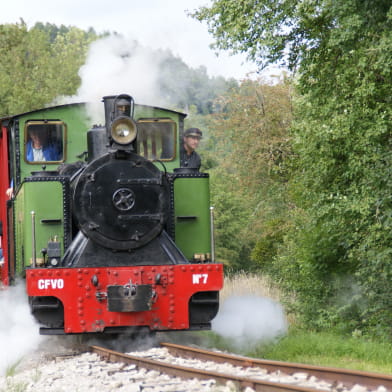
(116, 65)
(247, 320)
(19, 333)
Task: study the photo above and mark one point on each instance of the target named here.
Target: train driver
(189, 157)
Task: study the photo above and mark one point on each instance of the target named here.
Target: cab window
(156, 139)
(44, 141)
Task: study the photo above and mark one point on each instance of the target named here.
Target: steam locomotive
(108, 232)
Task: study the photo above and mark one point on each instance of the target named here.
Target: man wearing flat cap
(189, 157)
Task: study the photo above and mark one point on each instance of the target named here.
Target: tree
(290, 31)
(249, 133)
(337, 256)
(68, 53)
(184, 86)
(37, 66)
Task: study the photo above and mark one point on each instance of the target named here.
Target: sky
(156, 24)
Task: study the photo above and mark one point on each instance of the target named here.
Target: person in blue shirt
(39, 149)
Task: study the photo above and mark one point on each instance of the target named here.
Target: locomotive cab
(110, 234)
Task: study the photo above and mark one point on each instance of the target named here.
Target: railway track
(260, 375)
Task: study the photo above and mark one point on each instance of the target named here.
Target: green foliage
(344, 157)
(55, 31)
(247, 147)
(266, 30)
(290, 31)
(267, 246)
(184, 86)
(69, 51)
(41, 64)
(230, 219)
(37, 65)
(335, 258)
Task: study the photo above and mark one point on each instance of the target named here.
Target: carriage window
(156, 139)
(44, 141)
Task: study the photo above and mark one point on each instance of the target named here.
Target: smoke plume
(247, 320)
(19, 333)
(116, 65)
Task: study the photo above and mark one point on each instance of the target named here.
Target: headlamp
(123, 130)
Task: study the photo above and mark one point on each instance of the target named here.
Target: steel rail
(346, 376)
(189, 373)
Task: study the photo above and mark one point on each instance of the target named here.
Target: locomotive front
(122, 269)
(121, 201)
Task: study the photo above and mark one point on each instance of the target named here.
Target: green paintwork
(45, 198)
(192, 198)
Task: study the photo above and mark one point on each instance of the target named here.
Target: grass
(249, 284)
(11, 370)
(303, 346)
(329, 349)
